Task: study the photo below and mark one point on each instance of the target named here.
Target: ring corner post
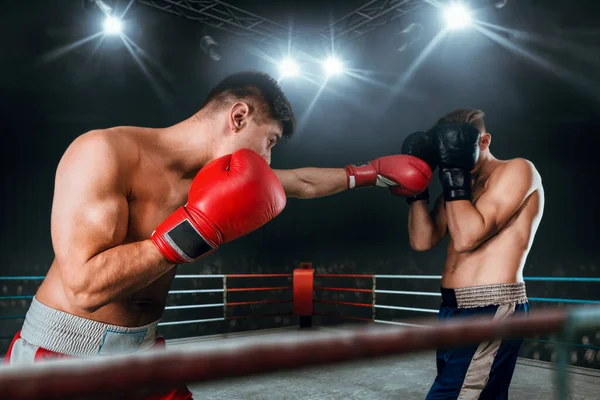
(303, 292)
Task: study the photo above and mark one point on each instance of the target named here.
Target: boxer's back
(502, 257)
(153, 192)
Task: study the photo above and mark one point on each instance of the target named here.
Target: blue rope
(12, 316)
(555, 300)
(560, 279)
(22, 278)
(15, 297)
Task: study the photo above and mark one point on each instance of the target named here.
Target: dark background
(541, 98)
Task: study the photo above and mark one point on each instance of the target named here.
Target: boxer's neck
(189, 145)
(484, 166)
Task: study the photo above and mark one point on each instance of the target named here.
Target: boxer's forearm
(421, 227)
(309, 183)
(466, 225)
(117, 273)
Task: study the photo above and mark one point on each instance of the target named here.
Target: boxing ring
(292, 350)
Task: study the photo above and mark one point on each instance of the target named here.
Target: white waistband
(75, 336)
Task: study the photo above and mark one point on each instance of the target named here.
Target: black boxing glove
(458, 146)
(421, 145)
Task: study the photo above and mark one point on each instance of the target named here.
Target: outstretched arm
(406, 175)
(309, 183)
(472, 224)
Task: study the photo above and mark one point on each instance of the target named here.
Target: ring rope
(66, 379)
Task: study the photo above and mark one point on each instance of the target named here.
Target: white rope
(408, 276)
(395, 323)
(194, 306)
(428, 310)
(196, 291)
(409, 293)
(191, 321)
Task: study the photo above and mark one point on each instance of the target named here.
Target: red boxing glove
(405, 175)
(230, 197)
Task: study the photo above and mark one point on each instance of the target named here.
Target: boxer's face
(251, 130)
(261, 137)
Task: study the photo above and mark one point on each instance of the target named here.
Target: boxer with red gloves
(132, 203)
(251, 196)
(404, 175)
(490, 209)
(421, 144)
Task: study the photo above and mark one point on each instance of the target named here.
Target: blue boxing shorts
(484, 370)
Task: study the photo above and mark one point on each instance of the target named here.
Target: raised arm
(426, 229)
(472, 224)
(89, 225)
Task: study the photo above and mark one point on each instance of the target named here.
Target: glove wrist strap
(456, 183)
(421, 196)
(182, 242)
(361, 175)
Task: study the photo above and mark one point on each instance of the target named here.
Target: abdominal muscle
(501, 259)
(139, 309)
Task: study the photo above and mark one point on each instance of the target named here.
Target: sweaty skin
(113, 187)
(490, 237)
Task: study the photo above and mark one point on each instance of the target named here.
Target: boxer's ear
(238, 116)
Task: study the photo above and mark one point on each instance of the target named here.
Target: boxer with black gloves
(458, 150)
(490, 209)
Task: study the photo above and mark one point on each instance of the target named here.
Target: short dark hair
(470, 116)
(259, 86)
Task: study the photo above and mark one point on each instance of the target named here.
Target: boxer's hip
(485, 295)
(69, 335)
(48, 333)
(481, 370)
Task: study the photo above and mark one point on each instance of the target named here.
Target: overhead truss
(220, 15)
(370, 16)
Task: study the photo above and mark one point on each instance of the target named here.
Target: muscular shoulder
(113, 146)
(518, 170)
(112, 152)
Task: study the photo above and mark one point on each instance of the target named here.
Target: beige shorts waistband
(76, 336)
(485, 295)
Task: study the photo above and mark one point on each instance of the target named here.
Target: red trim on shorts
(181, 393)
(9, 351)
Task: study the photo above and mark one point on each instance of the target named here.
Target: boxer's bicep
(90, 208)
(506, 194)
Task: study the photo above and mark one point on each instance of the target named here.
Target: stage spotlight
(112, 25)
(457, 16)
(333, 66)
(288, 67)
